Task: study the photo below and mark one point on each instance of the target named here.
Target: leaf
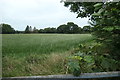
(81, 45)
(74, 67)
(96, 14)
(76, 72)
(76, 57)
(101, 11)
(113, 64)
(108, 28)
(79, 54)
(89, 59)
(73, 64)
(98, 5)
(105, 64)
(109, 64)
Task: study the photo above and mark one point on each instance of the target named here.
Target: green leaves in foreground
(80, 64)
(91, 58)
(74, 67)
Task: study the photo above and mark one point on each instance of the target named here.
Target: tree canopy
(70, 27)
(7, 29)
(105, 19)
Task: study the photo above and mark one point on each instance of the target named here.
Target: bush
(91, 58)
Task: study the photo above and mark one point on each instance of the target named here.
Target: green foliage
(74, 67)
(61, 28)
(106, 21)
(107, 27)
(6, 29)
(86, 29)
(83, 9)
(41, 31)
(90, 58)
(27, 30)
(70, 27)
(35, 30)
(50, 30)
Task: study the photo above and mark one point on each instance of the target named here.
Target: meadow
(38, 54)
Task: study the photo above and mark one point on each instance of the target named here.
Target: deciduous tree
(7, 29)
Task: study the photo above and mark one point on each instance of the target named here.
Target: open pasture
(38, 54)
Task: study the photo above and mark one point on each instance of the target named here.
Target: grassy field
(38, 54)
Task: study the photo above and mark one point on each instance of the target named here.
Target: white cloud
(39, 13)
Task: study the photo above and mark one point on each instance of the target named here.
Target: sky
(37, 13)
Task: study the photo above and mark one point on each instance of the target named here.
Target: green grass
(38, 54)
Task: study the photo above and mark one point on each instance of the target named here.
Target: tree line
(69, 28)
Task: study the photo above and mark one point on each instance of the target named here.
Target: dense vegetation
(48, 52)
(104, 55)
(6, 29)
(69, 28)
(38, 54)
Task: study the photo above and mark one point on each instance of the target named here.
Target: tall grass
(38, 54)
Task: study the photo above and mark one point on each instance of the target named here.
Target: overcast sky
(38, 13)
